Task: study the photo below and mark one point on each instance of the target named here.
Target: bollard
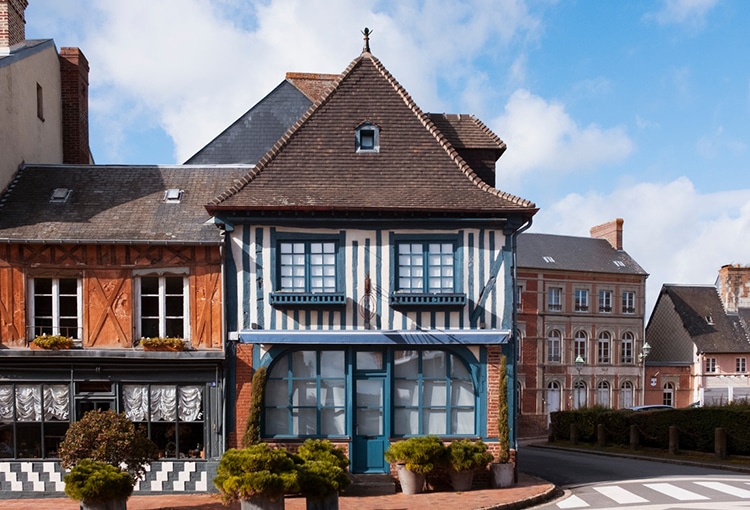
(601, 436)
(573, 434)
(720, 443)
(674, 440)
(635, 438)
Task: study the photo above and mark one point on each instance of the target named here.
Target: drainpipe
(514, 324)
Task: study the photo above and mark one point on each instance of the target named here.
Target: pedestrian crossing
(646, 492)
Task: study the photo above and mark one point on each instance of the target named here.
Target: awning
(406, 337)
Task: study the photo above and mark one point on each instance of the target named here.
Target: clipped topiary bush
(322, 470)
(257, 470)
(91, 481)
(252, 429)
(466, 455)
(418, 454)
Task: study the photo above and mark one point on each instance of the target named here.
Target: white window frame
(668, 394)
(554, 346)
(627, 395)
(627, 345)
(741, 365)
(55, 305)
(581, 300)
(554, 299)
(604, 394)
(605, 301)
(580, 344)
(628, 302)
(710, 365)
(162, 304)
(604, 348)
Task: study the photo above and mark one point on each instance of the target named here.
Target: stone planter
(502, 474)
(411, 482)
(112, 504)
(461, 480)
(330, 502)
(262, 503)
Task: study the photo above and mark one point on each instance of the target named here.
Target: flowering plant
(46, 341)
(172, 343)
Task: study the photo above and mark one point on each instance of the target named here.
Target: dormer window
(367, 138)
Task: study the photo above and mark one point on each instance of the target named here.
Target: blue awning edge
(404, 337)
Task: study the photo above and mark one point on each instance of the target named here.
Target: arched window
(602, 394)
(603, 347)
(554, 343)
(626, 395)
(626, 350)
(579, 394)
(580, 345)
(553, 398)
(668, 394)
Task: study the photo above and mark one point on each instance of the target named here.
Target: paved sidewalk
(528, 492)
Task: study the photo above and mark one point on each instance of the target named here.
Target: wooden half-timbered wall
(107, 275)
(484, 259)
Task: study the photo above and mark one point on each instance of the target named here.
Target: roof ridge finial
(366, 32)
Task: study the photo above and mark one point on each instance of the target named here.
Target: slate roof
(571, 253)
(252, 135)
(30, 47)
(113, 204)
(314, 167)
(705, 320)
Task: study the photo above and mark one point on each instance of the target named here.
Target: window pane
(406, 363)
(434, 393)
(304, 422)
(433, 363)
(29, 440)
(332, 393)
(304, 364)
(462, 421)
(370, 421)
(277, 393)
(149, 327)
(458, 369)
(405, 421)
(405, 393)
(277, 421)
(304, 393)
(149, 285)
(369, 393)
(369, 360)
(333, 422)
(433, 421)
(332, 364)
(462, 393)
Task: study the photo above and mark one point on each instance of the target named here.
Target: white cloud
(691, 12)
(541, 136)
(676, 233)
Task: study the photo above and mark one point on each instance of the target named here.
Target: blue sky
(637, 109)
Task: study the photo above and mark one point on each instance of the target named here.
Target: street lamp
(645, 351)
(579, 365)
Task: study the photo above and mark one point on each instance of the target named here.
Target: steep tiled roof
(315, 167)
(704, 319)
(570, 253)
(257, 130)
(110, 204)
(467, 132)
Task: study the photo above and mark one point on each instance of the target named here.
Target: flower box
(163, 344)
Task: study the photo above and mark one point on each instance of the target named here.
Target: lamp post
(645, 350)
(579, 365)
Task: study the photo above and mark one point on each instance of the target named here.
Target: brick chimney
(74, 84)
(12, 24)
(733, 285)
(611, 231)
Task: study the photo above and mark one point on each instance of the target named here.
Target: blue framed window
(433, 393)
(306, 395)
(427, 272)
(308, 271)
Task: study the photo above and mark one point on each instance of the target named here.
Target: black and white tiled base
(33, 479)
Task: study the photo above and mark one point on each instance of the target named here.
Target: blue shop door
(370, 441)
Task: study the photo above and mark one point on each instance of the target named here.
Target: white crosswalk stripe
(726, 489)
(675, 492)
(572, 502)
(619, 495)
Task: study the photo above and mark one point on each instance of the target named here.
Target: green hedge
(696, 426)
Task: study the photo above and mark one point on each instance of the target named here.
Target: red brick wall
(243, 391)
(74, 82)
(12, 22)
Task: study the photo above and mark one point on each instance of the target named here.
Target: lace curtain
(162, 402)
(28, 402)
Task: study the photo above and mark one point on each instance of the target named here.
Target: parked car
(652, 407)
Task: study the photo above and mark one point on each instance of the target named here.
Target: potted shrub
(414, 458)
(322, 473)
(463, 457)
(258, 476)
(502, 470)
(159, 343)
(98, 485)
(54, 342)
(104, 437)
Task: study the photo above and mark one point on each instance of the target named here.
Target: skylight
(619, 263)
(60, 194)
(173, 196)
(548, 259)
